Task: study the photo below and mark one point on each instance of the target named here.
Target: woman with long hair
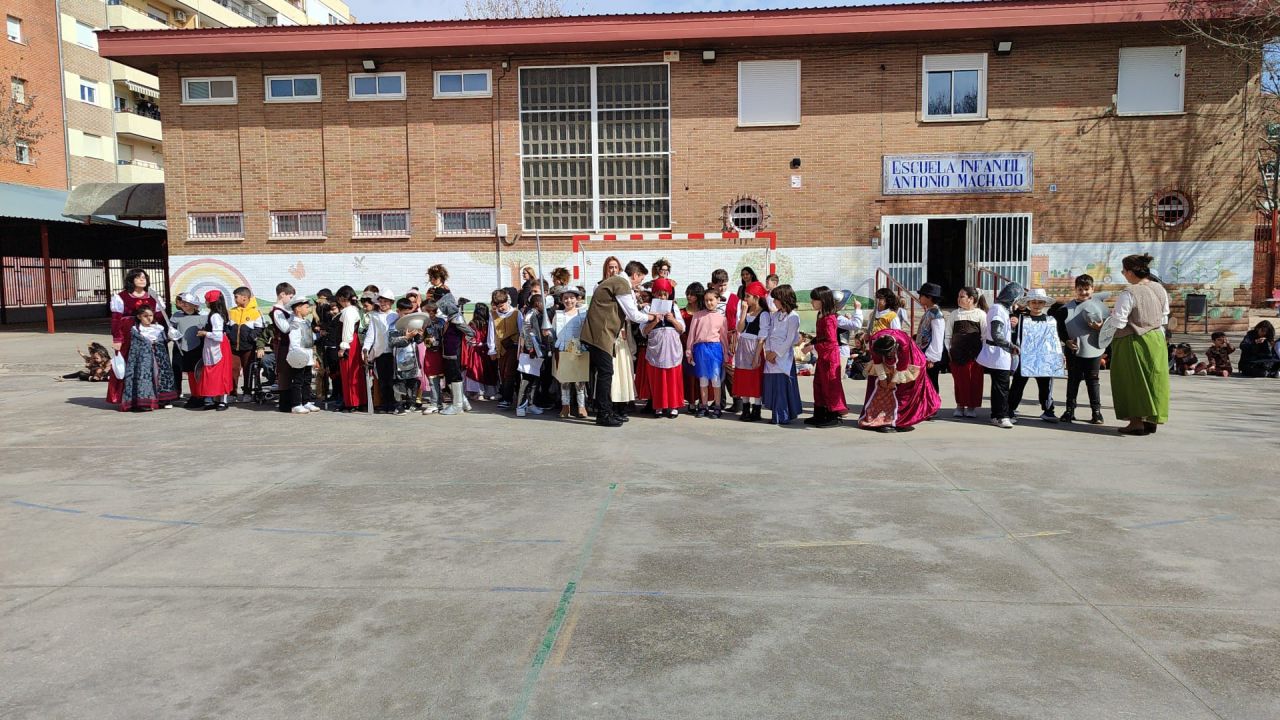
(214, 379)
(124, 309)
(612, 266)
(350, 363)
(1139, 353)
(968, 324)
(828, 391)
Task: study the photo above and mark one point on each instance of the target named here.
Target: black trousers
(602, 371)
(1043, 384)
(1088, 370)
(999, 393)
(934, 373)
(301, 386)
(452, 369)
(385, 365)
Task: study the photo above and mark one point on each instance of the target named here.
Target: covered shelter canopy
(70, 266)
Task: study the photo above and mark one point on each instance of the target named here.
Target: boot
(455, 407)
(1097, 418)
(819, 416)
(755, 412)
(1070, 415)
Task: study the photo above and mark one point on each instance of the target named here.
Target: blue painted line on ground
(38, 506)
(334, 533)
(642, 593)
(1183, 521)
(520, 589)
(107, 516)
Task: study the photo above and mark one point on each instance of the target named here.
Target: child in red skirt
(748, 352)
(663, 355)
(214, 379)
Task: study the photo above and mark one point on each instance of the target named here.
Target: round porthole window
(1172, 209)
(746, 215)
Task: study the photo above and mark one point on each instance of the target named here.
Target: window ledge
(299, 238)
(954, 119)
(289, 101)
(1151, 114)
(768, 124)
(464, 236)
(404, 236)
(397, 98)
(209, 102)
(461, 96)
(215, 240)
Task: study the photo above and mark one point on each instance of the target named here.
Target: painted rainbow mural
(203, 274)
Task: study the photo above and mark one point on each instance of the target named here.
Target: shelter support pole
(48, 277)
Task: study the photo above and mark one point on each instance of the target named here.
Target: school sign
(955, 173)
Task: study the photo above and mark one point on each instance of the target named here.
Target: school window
(88, 91)
(209, 91)
(595, 148)
(381, 223)
(18, 90)
(91, 146)
(465, 83)
(217, 226)
(298, 224)
(85, 36)
(768, 93)
(377, 86)
(14, 27)
(1151, 80)
(465, 222)
(293, 88)
(23, 152)
(955, 87)
(158, 14)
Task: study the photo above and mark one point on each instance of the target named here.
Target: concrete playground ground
(246, 564)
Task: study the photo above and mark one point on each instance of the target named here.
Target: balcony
(139, 123)
(138, 171)
(120, 15)
(246, 11)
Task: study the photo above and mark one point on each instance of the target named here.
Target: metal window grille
(217, 226)
(298, 224)
(1172, 209)
(381, 223)
(596, 147)
(466, 222)
(746, 215)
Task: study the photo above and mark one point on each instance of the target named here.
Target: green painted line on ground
(552, 634)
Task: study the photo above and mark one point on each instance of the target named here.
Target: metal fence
(74, 281)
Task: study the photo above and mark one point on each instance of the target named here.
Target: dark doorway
(946, 256)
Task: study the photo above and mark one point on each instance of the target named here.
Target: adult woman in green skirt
(1139, 355)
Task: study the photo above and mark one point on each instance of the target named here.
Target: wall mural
(1222, 269)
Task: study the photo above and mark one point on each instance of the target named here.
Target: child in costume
(828, 390)
(481, 372)
(302, 357)
(886, 314)
(148, 382)
(404, 350)
(244, 326)
(572, 362)
(781, 389)
(664, 359)
(504, 337)
(1037, 303)
(998, 353)
(708, 345)
(968, 326)
(213, 379)
(1184, 360)
(748, 348)
(1083, 319)
(350, 363)
(899, 394)
(531, 354)
(1217, 357)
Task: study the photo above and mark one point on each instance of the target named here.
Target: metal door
(906, 249)
(1000, 244)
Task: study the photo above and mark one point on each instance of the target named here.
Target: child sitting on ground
(805, 357)
(1184, 359)
(97, 363)
(1217, 357)
(859, 356)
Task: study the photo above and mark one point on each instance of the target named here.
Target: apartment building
(113, 126)
(34, 79)
(1037, 139)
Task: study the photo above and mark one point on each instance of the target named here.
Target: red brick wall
(36, 61)
(1049, 97)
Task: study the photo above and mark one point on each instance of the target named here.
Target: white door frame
(886, 220)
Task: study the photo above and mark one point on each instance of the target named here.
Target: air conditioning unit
(180, 15)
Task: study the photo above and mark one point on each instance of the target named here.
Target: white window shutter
(1151, 80)
(769, 92)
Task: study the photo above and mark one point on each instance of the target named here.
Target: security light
(1004, 47)
(708, 56)
(369, 65)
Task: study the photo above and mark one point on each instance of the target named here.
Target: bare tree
(502, 9)
(19, 120)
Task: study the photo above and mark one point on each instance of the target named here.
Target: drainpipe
(62, 93)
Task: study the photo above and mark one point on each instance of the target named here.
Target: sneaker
(959, 413)
(520, 411)
(971, 412)
(673, 413)
(534, 409)
(1068, 416)
(1097, 418)
(504, 405)
(299, 410)
(429, 410)
(1013, 418)
(398, 411)
(167, 406)
(700, 412)
(312, 407)
(1049, 417)
(1005, 423)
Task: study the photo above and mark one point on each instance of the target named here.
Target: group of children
(722, 352)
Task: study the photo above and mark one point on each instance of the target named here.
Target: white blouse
(153, 332)
(350, 317)
(784, 332)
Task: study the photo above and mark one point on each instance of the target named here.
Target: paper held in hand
(661, 307)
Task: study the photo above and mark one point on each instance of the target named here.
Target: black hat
(932, 290)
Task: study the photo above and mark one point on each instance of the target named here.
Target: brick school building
(1038, 139)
